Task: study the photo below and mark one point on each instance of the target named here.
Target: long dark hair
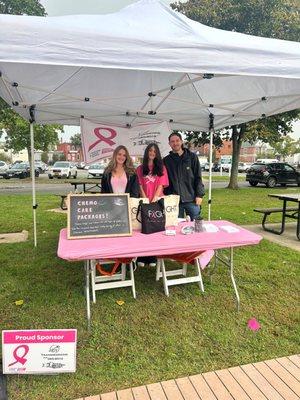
(157, 162)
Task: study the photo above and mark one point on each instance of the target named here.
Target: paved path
(288, 238)
(277, 379)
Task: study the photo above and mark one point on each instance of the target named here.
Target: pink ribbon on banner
(102, 138)
(20, 358)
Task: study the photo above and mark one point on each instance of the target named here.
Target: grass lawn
(151, 338)
(223, 178)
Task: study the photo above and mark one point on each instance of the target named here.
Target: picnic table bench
(88, 186)
(287, 212)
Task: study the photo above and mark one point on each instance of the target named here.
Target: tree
(4, 157)
(44, 157)
(18, 133)
(272, 18)
(58, 157)
(286, 146)
(76, 140)
(24, 7)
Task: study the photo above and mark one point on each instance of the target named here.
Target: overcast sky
(67, 7)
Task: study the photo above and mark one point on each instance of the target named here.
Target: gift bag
(134, 204)
(171, 209)
(152, 216)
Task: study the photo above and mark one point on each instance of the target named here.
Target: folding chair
(117, 280)
(199, 259)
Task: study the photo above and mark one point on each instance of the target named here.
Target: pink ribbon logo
(20, 358)
(102, 138)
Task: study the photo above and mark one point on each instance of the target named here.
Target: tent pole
(32, 172)
(211, 131)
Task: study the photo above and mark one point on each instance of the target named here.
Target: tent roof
(143, 63)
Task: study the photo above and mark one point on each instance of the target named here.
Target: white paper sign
(39, 351)
(100, 140)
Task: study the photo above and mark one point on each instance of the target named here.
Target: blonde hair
(128, 165)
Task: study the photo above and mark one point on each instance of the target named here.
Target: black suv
(272, 174)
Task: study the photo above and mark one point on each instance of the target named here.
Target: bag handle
(139, 211)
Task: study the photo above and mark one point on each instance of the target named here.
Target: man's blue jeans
(190, 209)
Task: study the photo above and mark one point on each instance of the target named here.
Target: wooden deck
(277, 379)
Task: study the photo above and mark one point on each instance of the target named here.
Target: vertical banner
(100, 140)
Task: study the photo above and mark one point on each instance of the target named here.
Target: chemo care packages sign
(39, 351)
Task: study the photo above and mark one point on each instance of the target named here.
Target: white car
(62, 169)
(96, 170)
(3, 169)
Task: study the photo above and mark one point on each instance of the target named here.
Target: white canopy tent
(144, 63)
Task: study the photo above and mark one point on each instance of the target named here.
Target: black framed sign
(98, 215)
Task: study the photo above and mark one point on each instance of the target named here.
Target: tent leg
(211, 130)
(32, 169)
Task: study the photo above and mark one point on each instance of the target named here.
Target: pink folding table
(227, 236)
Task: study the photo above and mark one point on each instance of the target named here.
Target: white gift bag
(134, 204)
(171, 209)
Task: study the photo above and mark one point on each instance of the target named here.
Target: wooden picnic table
(285, 198)
(88, 185)
(292, 212)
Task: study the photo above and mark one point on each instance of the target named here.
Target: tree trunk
(238, 133)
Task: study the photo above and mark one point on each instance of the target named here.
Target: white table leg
(233, 280)
(197, 265)
(164, 276)
(132, 280)
(87, 291)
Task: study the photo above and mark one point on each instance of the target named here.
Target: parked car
(21, 170)
(80, 165)
(96, 170)
(243, 167)
(62, 169)
(3, 169)
(272, 174)
(42, 167)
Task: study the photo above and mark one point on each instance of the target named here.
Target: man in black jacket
(184, 173)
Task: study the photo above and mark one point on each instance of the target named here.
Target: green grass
(151, 338)
(223, 178)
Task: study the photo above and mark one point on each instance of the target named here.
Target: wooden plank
(156, 392)
(261, 382)
(202, 388)
(109, 396)
(275, 381)
(295, 359)
(249, 387)
(285, 375)
(140, 393)
(217, 386)
(171, 390)
(187, 389)
(125, 394)
(92, 398)
(232, 385)
(289, 366)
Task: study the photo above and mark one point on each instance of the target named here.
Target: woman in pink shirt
(153, 177)
(152, 174)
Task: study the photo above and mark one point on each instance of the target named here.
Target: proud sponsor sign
(100, 140)
(39, 351)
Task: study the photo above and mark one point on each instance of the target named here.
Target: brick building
(71, 152)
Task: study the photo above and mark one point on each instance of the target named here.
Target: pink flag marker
(253, 324)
